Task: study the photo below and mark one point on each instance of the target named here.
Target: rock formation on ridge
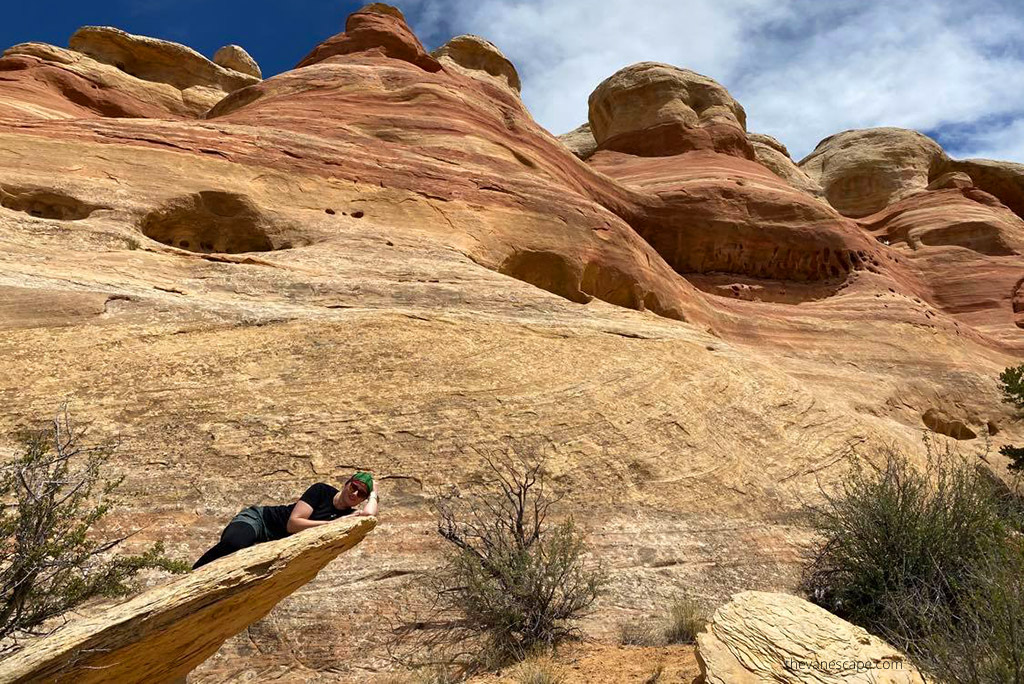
(379, 260)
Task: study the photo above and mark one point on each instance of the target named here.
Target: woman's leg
(237, 535)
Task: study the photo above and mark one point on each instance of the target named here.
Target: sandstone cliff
(379, 260)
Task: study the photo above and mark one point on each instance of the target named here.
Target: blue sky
(803, 69)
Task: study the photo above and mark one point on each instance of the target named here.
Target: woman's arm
(299, 519)
(371, 505)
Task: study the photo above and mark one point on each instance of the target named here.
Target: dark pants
(244, 530)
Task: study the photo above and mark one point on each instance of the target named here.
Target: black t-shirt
(320, 496)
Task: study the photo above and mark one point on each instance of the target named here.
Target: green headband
(366, 479)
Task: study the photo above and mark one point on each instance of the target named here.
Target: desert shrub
(641, 634)
(538, 671)
(910, 554)
(686, 619)
(51, 496)
(511, 583)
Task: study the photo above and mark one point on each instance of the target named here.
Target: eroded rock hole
(213, 221)
(357, 214)
(48, 204)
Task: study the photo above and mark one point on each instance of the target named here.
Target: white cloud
(802, 69)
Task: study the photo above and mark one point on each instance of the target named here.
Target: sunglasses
(358, 490)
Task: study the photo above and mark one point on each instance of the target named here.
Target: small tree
(51, 563)
(1011, 382)
(511, 582)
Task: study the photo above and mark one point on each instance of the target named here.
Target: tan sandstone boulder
(164, 633)
(773, 154)
(580, 141)
(479, 58)
(652, 109)
(235, 57)
(769, 637)
(864, 171)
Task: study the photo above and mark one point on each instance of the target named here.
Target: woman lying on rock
(318, 505)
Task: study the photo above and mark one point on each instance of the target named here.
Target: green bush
(51, 496)
(918, 556)
(1011, 383)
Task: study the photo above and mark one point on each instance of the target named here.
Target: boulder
(951, 179)
(235, 57)
(769, 637)
(152, 59)
(163, 634)
(1003, 179)
(580, 141)
(772, 154)
(651, 109)
(479, 58)
(864, 171)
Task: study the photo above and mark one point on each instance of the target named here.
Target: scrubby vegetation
(1011, 383)
(512, 584)
(929, 559)
(52, 496)
(683, 620)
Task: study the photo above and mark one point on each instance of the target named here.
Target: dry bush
(686, 619)
(511, 583)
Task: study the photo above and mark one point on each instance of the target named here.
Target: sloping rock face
(864, 171)
(163, 634)
(653, 109)
(767, 637)
(479, 58)
(372, 262)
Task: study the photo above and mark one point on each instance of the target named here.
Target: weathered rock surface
(771, 153)
(651, 109)
(386, 267)
(580, 141)
(771, 637)
(864, 171)
(163, 634)
(479, 58)
(235, 57)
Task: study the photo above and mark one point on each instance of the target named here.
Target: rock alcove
(214, 221)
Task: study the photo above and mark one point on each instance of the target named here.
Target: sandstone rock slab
(771, 637)
(164, 633)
